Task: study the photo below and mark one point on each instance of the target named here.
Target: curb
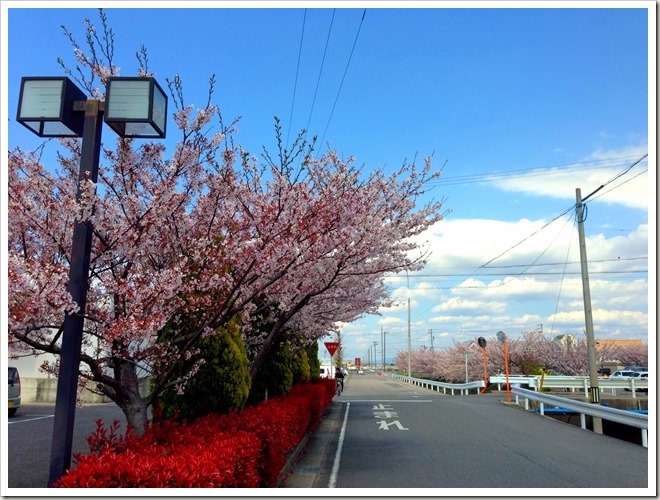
(298, 451)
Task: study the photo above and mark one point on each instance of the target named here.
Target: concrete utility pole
(431, 334)
(382, 346)
(409, 341)
(594, 395)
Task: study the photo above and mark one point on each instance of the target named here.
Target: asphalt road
(399, 436)
(396, 436)
(29, 435)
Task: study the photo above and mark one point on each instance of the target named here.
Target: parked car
(623, 374)
(604, 372)
(360, 371)
(14, 392)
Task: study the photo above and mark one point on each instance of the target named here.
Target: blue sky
(525, 104)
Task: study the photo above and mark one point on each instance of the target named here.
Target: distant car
(641, 375)
(605, 372)
(636, 368)
(360, 371)
(623, 374)
(14, 391)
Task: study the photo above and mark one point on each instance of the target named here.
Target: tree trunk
(128, 397)
(275, 332)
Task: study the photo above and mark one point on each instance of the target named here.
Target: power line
(295, 85)
(530, 172)
(318, 80)
(364, 12)
(561, 283)
(572, 207)
(513, 266)
(621, 184)
(625, 171)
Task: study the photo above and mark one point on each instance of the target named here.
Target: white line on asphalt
(335, 466)
(391, 400)
(30, 419)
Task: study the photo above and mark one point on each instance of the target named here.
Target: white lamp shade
(135, 107)
(46, 106)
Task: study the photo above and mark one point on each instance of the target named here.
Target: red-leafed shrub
(236, 450)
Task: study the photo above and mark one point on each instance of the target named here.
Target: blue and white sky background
(522, 102)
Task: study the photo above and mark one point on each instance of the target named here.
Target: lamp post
(482, 343)
(56, 107)
(468, 355)
(501, 336)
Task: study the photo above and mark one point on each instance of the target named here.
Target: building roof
(618, 344)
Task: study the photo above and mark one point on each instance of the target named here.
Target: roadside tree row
(205, 241)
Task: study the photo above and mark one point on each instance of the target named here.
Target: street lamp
(482, 343)
(56, 107)
(46, 107)
(135, 107)
(468, 355)
(501, 336)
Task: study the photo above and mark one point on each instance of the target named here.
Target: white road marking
(332, 483)
(391, 400)
(30, 419)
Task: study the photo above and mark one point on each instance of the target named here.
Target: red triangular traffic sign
(332, 347)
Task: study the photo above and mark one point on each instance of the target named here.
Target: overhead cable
(318, 80)
(295, 85)
(364, 12)
(620, 174)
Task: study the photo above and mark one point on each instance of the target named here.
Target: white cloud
(614, 317)
(554, 182)
(460, 304)
(460, 297)
(391, 321)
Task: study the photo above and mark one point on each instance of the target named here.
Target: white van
(327, 372)
(14, 391)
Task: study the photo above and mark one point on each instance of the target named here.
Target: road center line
(335, 466)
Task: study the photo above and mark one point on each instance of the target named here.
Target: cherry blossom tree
(529, 353)
(188, 243)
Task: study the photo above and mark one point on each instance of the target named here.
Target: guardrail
(606, 413)
(434, 385)
(573, 383)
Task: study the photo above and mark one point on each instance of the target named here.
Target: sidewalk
(313, 465)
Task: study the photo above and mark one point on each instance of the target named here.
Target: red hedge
(237, 450)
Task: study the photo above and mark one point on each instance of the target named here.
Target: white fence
(573, 383)
(640, 421)
(436, 386)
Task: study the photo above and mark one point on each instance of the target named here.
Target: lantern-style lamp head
(46, 106)
(135, 107)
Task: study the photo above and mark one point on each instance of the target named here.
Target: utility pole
(382, 346)
(431, 334)
(375, 355)
(594, 395)
(409, 342)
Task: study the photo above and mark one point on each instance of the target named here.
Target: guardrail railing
(638, 420)
(573, 383)
(436, 386)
